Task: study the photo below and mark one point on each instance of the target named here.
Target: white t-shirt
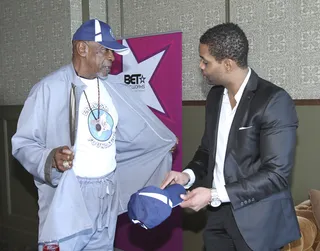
(95, 148)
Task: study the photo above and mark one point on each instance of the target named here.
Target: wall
(284, 42)
(283, 36)
(140, 17)
(35, 40)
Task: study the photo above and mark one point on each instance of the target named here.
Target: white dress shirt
(225, 122)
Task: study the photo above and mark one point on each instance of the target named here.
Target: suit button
(245, 202)
(252, 199)
(241, 203)
(249, 201)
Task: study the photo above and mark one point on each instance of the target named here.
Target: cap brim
(174, 192)
(116, 47)
(122, 52)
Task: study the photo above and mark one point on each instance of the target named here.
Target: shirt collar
(239, 93)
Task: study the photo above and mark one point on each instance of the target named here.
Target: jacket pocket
(248, 137)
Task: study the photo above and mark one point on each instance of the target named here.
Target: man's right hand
(62, 159)
(174, 177)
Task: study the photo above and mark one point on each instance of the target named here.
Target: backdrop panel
(153, 69)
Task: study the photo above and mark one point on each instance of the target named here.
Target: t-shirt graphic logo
(104, 131)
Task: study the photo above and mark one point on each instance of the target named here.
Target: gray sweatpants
(101, 198)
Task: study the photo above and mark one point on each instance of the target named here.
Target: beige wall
(283, 36)
(35, 40)
(284, 42)
(140, 17)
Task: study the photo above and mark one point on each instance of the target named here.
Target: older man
(71, 127)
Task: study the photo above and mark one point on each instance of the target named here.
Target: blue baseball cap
(151, 205)
(100, 32)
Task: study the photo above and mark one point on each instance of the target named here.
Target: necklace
(98, 125)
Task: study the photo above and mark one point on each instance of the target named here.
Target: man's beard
(103, 76)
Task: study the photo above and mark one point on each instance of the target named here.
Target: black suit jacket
(258, 162)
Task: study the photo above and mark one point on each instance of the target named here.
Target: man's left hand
(196, 199)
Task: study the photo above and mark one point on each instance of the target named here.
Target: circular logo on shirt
(100, 129)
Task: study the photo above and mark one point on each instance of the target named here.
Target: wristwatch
(215, 201)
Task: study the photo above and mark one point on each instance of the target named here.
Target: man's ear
(82, 48)
(229, 64)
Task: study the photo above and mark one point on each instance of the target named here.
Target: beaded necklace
(98, 125)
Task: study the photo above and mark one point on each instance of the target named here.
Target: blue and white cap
(100, 32)
(151, 205)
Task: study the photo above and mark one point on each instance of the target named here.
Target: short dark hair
(227, 41)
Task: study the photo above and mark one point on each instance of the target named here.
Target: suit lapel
(216, 108)
(242, 110)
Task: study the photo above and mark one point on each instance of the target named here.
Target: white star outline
(146, 68)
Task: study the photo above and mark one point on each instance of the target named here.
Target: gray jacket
(49, 120)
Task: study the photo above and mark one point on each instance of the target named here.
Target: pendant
(98, 127)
